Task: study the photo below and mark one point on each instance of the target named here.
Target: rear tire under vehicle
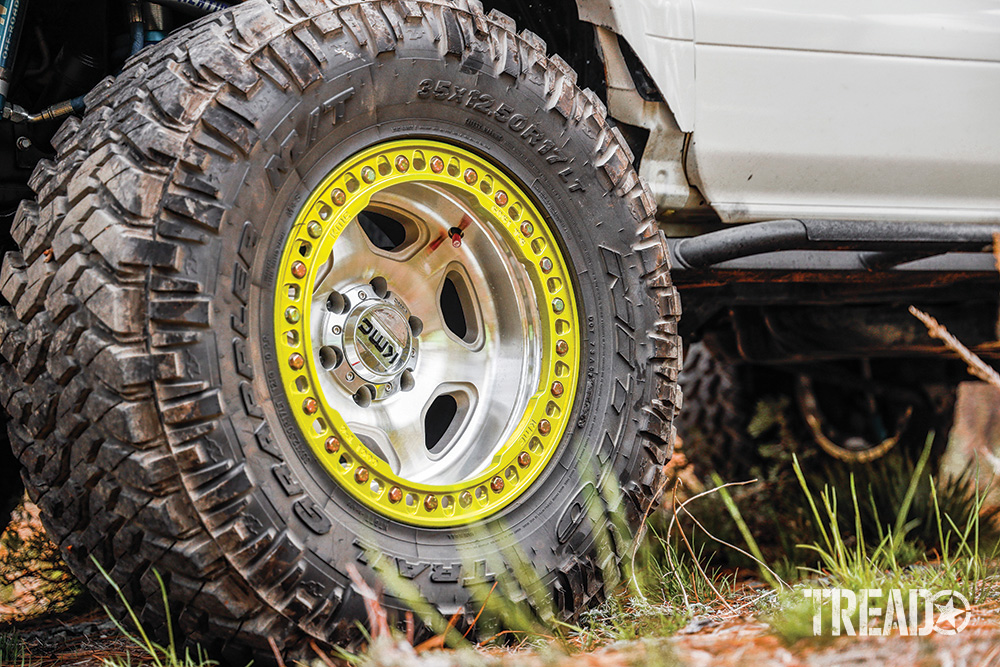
(143, 345)
(723, 397)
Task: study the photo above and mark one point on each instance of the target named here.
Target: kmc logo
(379, 343)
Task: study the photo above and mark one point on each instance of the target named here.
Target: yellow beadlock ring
(334, 204)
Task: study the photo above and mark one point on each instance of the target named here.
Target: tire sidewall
(380, 101)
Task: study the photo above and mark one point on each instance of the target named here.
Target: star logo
(953, 612)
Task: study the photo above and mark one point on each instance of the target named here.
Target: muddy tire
(147, 399)
(11, 489)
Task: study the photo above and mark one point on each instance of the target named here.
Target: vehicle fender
(661, 32)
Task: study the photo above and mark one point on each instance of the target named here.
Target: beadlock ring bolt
(355, 355)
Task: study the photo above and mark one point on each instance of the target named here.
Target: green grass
(963, 564)
(151, 652)
(11, 648)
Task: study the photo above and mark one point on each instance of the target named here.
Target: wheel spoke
(443, 359)
(353, 261)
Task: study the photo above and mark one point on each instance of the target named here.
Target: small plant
(859, 567)
(11, 648)
(156, 654)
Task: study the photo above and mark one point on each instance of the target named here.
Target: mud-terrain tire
(11, 488)
(140, 371)
(721, 398)
(717, 411)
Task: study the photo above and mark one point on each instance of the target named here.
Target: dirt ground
(84, 636)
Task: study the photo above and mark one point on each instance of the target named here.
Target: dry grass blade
(977, 366)
(481, 610)
(438, 640)
(701, 570)
(277, 653)
(378, 620)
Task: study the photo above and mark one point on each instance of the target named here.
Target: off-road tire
(721, 399)
(139, 392)
(11, 488)
(717, 411)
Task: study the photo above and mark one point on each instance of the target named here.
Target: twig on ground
(977, 366)
(277, 653)
(322, 654)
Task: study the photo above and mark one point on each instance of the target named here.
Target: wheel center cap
(381, 340)
(370, 343)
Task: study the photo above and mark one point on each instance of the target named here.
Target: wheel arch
(662, 37)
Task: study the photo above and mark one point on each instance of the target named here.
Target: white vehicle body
(859, 109)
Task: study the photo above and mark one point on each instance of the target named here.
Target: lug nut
(299, 269)
(562, 347)
(310, 406)
(437, 164)
(402, 164)
(558, 305)
(496, 484)
(362, 296)
(544, 427)
(296, 361)
(368, 175)
(465, 499)
(292, 315)
(350, 377)
(332, 444)
(430, 502)
(388, 387)
(361, 475)
(395, 493)
(339, 197)
(501, 198)
(337, 330)
(471, 176)
(524, 459)
(557, 388)
(526, 228)
(546, 264)
(314, 229)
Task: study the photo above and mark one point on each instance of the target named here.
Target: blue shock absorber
(9, 30)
